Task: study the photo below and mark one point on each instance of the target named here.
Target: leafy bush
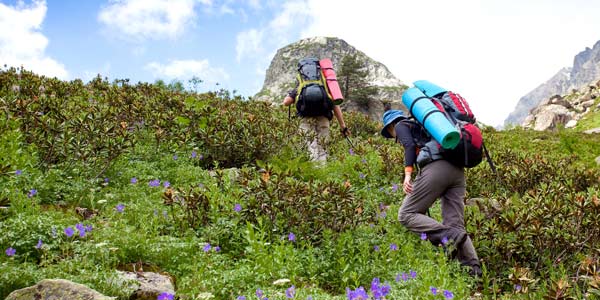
(304, 208)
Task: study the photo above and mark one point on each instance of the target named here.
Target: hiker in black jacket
(437, 178)
(317, 128)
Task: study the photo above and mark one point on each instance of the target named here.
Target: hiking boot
(475, 271)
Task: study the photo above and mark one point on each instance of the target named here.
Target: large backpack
(470, 150)
(312, 98)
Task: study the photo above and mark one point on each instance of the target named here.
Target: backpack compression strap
(302, 83)
(427, 114)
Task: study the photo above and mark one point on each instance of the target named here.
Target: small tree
(353, 80)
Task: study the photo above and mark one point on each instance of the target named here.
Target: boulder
(145, 285)
(57, 289)
(571, 124)
(593, 130)
(551, 116)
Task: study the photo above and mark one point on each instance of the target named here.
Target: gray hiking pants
(439, 179)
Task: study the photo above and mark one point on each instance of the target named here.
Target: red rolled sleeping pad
(331, 79)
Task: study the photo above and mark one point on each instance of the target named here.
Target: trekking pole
(489, 159)
(349, 142)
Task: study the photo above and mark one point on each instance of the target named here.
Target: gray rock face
(281, 74)
(57, 289)
(564, 110)
(585, 69)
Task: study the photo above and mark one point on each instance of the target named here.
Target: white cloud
(249, 43)
(186, 69)
(149, 19)
(258, 43)
(22, 43)
(492, 52)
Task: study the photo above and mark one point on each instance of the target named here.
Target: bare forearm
(337, 112)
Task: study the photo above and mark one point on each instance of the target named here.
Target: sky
(492, 52)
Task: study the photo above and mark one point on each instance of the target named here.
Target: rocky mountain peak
(281, 74)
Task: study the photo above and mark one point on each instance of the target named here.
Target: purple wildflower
(309, 298)
(120, 208)
(358, 294)
(259, 293)
(241, 298)
(69, 231)
(237, 207)
(290, 292)
(413, 274)
(445, 240)
(364, 161)
(39, 244)
(378, 290)
(433, 290)
(88, 228)
(206, 247)
(18, 172)
(448, 294)
(292, 237)
(361, 176)
(351, 151)
(175, 157)
(165, 296)
(393, 247)
(133, 180)
(217, 249)
(166, 184)
(423, 236)
(81, 229)
(10, 251)
(194, 154)
(32, 193)
(154, 183)
(376, 248)
(518, 287)
(394, 187)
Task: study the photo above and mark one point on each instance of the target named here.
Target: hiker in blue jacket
(437, 178)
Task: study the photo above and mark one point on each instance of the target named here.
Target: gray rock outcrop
(566, 110)
(281, 74)
(57, 289)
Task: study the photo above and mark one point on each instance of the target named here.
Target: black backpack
(312, 98)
